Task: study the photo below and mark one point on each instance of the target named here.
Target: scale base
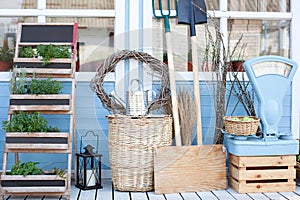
(253, 146)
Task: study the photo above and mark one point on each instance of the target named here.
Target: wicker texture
(157, 68)
(242, 128)
(131, 143)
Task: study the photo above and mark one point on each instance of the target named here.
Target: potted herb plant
(6, 58)
(31, 131)
(37, 95)
(28, 174)
(42, 58)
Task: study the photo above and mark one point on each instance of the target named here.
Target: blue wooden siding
(91, 116)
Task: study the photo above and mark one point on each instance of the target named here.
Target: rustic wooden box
(33, 184)
(63, 66)
(54, 142)
(249, 174)
(32, 102)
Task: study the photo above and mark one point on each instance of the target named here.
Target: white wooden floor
(229, 194)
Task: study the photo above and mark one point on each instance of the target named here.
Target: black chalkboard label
(47, 33)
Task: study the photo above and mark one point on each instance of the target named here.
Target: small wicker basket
(242, 128)
(131, 143)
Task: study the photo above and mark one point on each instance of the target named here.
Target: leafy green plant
(26, 168)
(27, 52)
(18, 86)
(44, 86)
(52, 129)
(27, 122)
(6, 55)
(35, 86)
(52, 51)
(46, 52)
(298, 158)
(59, 172)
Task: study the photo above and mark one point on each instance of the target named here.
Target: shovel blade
(192, 12)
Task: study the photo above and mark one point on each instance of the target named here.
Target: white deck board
(121, 195)
(106, 192)
(228, 194)
(274, 195)
(223, 194)
(297, 190)
(138, 195)
(290, 195)
(173, 196)
(207, 195)
(259, 196)
(190, 196)
(238, 196)
(153, 196)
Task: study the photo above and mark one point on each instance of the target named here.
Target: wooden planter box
(33, 184)
(34, 65)
(37, 141)
(29, 102)
(262, 173)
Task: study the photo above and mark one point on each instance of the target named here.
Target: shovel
(189, 13)
(190, 168)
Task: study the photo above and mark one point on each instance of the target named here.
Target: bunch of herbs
(27, 122)
(52, 51)
(26, 168)
(27, 52)
(46, 52)
(35, 86)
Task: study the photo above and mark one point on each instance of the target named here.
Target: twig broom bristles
(187, 114)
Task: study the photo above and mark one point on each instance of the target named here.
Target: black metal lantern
(88, 171)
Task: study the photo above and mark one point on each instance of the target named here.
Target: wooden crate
(249, 174)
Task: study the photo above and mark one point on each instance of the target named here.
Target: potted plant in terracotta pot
(236, 65)
(6, 57)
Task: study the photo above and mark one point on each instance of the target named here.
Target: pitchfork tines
(165, 11)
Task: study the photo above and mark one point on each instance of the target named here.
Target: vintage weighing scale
(265, 163)
(270, 77)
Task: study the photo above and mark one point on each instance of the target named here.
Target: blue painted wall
(91, 116)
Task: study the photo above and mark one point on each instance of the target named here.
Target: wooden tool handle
(173, 90)
(196, 90)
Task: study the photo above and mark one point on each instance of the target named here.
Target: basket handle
(139, 84)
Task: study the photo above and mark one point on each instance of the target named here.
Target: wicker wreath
(158, 68)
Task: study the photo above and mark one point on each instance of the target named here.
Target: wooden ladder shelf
(32, 35)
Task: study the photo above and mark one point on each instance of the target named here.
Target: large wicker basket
(239, 127)
(131, 142)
